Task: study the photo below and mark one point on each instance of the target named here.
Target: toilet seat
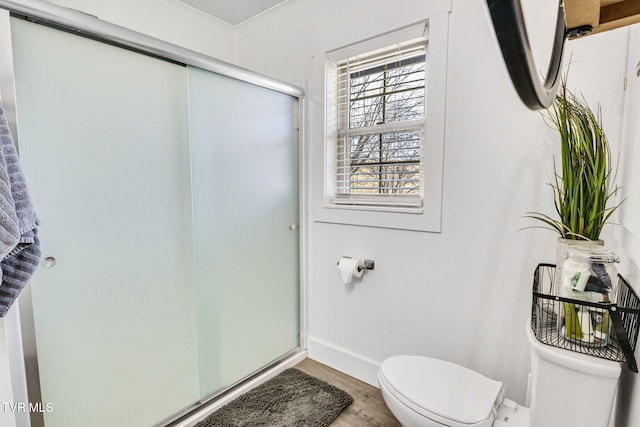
(441, 390)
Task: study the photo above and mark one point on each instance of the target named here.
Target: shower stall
(167, 185)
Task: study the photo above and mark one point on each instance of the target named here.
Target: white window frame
(348, 183)
(423, 216)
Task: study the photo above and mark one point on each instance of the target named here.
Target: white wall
(628, 233)
(464, 294)
(168, 20)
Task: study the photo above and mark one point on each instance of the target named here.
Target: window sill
(373, 208)
(399, 218)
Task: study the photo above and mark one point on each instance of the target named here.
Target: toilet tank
(568, 388)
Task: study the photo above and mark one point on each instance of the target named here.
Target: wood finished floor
(368, 407)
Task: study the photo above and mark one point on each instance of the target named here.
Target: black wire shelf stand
(621, 316)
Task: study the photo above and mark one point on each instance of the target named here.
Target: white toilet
(566, 389)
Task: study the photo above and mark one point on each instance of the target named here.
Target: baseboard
(344, 360)
(217, 403)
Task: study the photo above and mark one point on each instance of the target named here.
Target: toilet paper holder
(368, 264)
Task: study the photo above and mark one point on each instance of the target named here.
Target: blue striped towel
(19, 244)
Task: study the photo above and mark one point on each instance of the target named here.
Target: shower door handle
(49, 262)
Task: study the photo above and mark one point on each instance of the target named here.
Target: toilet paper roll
(350, 268)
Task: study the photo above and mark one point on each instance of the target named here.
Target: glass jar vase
(587, 275)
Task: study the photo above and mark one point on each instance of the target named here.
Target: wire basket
(620, 319)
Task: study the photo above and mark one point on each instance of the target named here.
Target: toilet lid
(442, 388)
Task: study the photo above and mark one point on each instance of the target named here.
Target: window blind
(379, 120)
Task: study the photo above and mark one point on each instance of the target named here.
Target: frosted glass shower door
(244, 151)
(104, 144)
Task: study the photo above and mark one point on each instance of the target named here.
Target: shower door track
(90, 26)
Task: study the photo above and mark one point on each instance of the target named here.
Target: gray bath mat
(292, 398)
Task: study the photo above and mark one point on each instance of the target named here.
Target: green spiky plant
(584, 190)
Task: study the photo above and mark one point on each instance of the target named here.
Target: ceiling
(602, 15)
(233, 12)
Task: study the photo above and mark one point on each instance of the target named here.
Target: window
(380, 107)
(385, 103)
